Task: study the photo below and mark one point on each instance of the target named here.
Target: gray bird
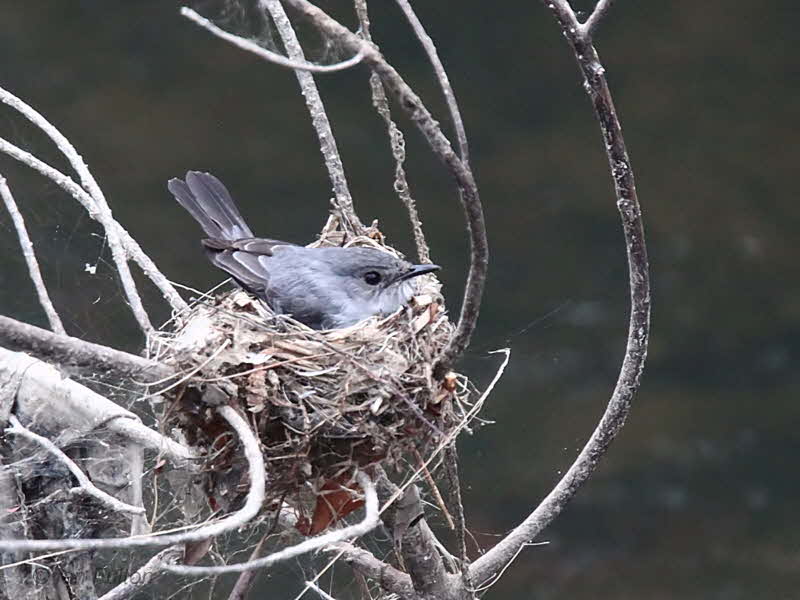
(325, 288)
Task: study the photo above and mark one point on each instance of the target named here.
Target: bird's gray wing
(244, 261)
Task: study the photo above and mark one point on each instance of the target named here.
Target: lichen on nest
(322, 403)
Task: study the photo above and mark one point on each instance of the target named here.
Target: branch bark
(627, 384)
(385, 575)
(77, 356)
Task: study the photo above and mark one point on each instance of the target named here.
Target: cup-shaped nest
(322, 403)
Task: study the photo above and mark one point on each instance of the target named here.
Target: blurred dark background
(697, 498)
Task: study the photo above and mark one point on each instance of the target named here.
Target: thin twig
(397, 143)
(319, 118)
(85, 485)
(251, 508)
(437, 495)
(94, 192)
(245, 580)
(470, 199)
(322, 593)
(441, 76)
(454, 483)
(30, 258)
(145, 574)
(627, 385)
(267, 55)
(369, 522)
(103, 212)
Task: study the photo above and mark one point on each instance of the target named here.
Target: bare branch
(397, 143)
(454, 483)
(441, 76)
(385, 575)
(145, 574)
(369, 523)
(38, 392)
(251, 508)
(78, 356)
(85, 485)
(30, 258)
(590, 25)
(267, 55)
(97, 207)
(319, 118)
(103, 212)
(639, 327)
(77, 192)
(470, 199)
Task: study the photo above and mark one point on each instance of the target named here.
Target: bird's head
(374, 281)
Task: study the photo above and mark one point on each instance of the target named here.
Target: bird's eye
(372, 277)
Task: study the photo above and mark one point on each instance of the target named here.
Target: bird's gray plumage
(324, 288)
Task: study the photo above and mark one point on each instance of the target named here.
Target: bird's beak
(417, 270)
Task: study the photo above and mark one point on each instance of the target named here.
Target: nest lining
(323, 403)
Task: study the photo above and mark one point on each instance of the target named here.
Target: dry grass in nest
(323, 403)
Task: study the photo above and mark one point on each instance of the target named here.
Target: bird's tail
(207, 200)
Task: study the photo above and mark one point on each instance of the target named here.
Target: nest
(322, 403)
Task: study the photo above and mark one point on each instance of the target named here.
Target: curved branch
(251, 508)
(30, 258)
(470, 199)
(267, 55)
(441, 75)
(627, 384)
(367, 524)
(130, 245)
(84, 484)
